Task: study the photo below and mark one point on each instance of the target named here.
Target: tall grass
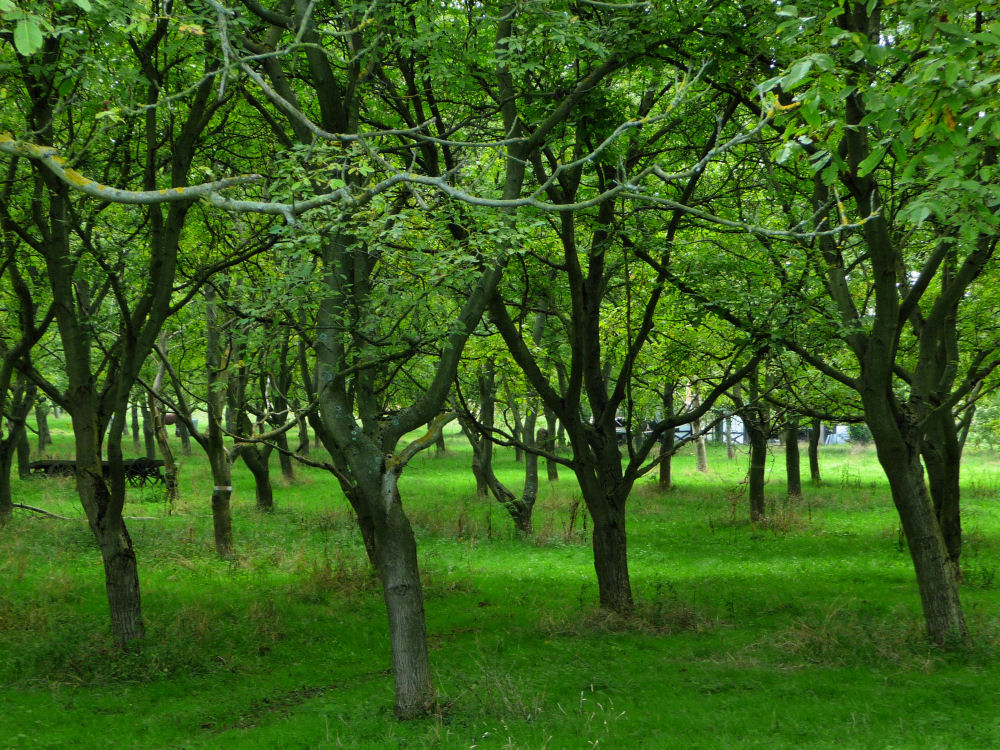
(801, 632)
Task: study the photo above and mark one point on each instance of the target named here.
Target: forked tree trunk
(121, 573)
(396, 551)
(943, 616)
(814, 438)
(942, 455)
(897, 445)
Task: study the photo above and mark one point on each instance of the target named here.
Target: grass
(803, 633)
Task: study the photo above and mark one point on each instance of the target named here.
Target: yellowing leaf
(949, 118)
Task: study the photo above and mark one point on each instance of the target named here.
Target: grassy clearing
(801, 634)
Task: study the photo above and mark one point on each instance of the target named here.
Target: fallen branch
(43, 512)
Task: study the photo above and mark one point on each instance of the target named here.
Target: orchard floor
(801, 633)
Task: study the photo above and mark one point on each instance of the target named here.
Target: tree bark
(667, 440)
(285, 460)
(6, 464)
(136, 439)
(148, 432)
(699, 440)
(218, 458)
(611, 559)
(303, 448)
(943, 616)
(121, 576)
(942, 455)
(792, 470)
(42, 421)
(169, 464)
(257, 461)
(185, 435)
(755, 422)
(396, 551)
(815, 430)
(548, 444)
(23, 454)
(160, 430)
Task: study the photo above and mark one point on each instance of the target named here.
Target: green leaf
(795, 74)
(871, 161)
(876, 54)
(84, 5)
(810, 112)
(27, 37)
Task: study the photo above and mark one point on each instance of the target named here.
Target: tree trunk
(160, 431)
(366, 524)
(121, 576)
(185, 436)
(942, 455)
(222, 517)
(667, 440)
(730, 445)
(814, 438)
(136, 440)
(303, 448)
(515, 412)
(755, 422)
(121, 573)
(792, 471)
(611, 560)
(699, 440)
(396, 551)
(6, 464)
(218, 459)
(169, 464)
(439, 445)
(148, 432)
(549, 444)
(755, 476)
(943, 616)
(285, 460)
(257, 461)
(23, 452)
(42, 420)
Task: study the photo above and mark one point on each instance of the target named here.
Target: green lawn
(802, 634)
